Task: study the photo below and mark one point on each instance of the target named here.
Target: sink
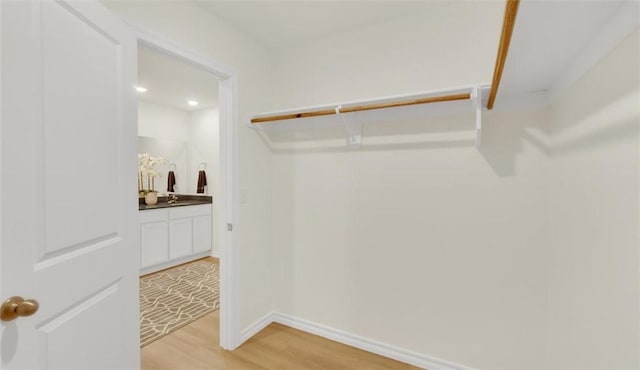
(184, 200)
(185, 203)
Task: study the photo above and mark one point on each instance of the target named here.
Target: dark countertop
(183, 200)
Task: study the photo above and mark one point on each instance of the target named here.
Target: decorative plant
(147, 169)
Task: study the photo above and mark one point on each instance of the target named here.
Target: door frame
(226, 201)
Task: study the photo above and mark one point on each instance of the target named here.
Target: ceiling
(543, 46)
(548, 36)
(172, 82)
(278, 24)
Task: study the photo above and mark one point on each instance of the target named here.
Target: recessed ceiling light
(192, 103)
(140, 89)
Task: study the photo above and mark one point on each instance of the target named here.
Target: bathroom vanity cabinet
(173, 235)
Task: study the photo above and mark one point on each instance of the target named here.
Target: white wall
(429, 245)
(451, 44)
(432, 246)
(192, 28)
(593, 313)
(204, 146)
(163, 122)
(520, 255)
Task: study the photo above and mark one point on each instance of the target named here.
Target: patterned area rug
(173, 298)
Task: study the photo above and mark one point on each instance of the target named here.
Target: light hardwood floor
(196, 346)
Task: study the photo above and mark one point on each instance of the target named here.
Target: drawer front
(153, 215)
(190, 211)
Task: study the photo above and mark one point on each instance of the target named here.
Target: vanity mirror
(175, 152)
(178, 121)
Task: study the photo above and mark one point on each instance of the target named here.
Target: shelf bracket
(476, 96)
(353, 126)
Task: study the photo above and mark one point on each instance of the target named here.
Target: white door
(68, 186)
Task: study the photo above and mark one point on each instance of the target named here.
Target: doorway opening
(186, 116)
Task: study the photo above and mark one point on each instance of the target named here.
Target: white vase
(151, 198)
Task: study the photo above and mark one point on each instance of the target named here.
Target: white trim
(376, 100)
(227, 213)
(221, 71)
(353, 340)
(178, 261)
(518, 102)
(214, 254)
(257, 326)
(621, 24)
(2, 293)
(227, 204)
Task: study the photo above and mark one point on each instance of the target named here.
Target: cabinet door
(180, 238)
(154, 248)
(201, 234)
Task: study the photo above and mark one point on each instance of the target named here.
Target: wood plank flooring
(196, 346)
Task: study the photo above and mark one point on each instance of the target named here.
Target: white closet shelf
(353, 114)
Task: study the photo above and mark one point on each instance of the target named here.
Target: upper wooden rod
(327, 112)
(281, 117)
(432, 99)
(511, 9)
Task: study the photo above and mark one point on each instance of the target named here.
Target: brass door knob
(14, 307)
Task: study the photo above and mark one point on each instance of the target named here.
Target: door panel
(180, 238)
(54, 333)
(154, 243)
(201, 234)
(68, 178)
(84, 109)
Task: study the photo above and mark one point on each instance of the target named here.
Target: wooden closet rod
(511, 9)
(432, 99)
(358, 108)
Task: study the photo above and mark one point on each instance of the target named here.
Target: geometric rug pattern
(173, 298)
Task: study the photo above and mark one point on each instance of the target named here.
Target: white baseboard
(357, 341)
(256, 327)
(174, 262)
(215, 254)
